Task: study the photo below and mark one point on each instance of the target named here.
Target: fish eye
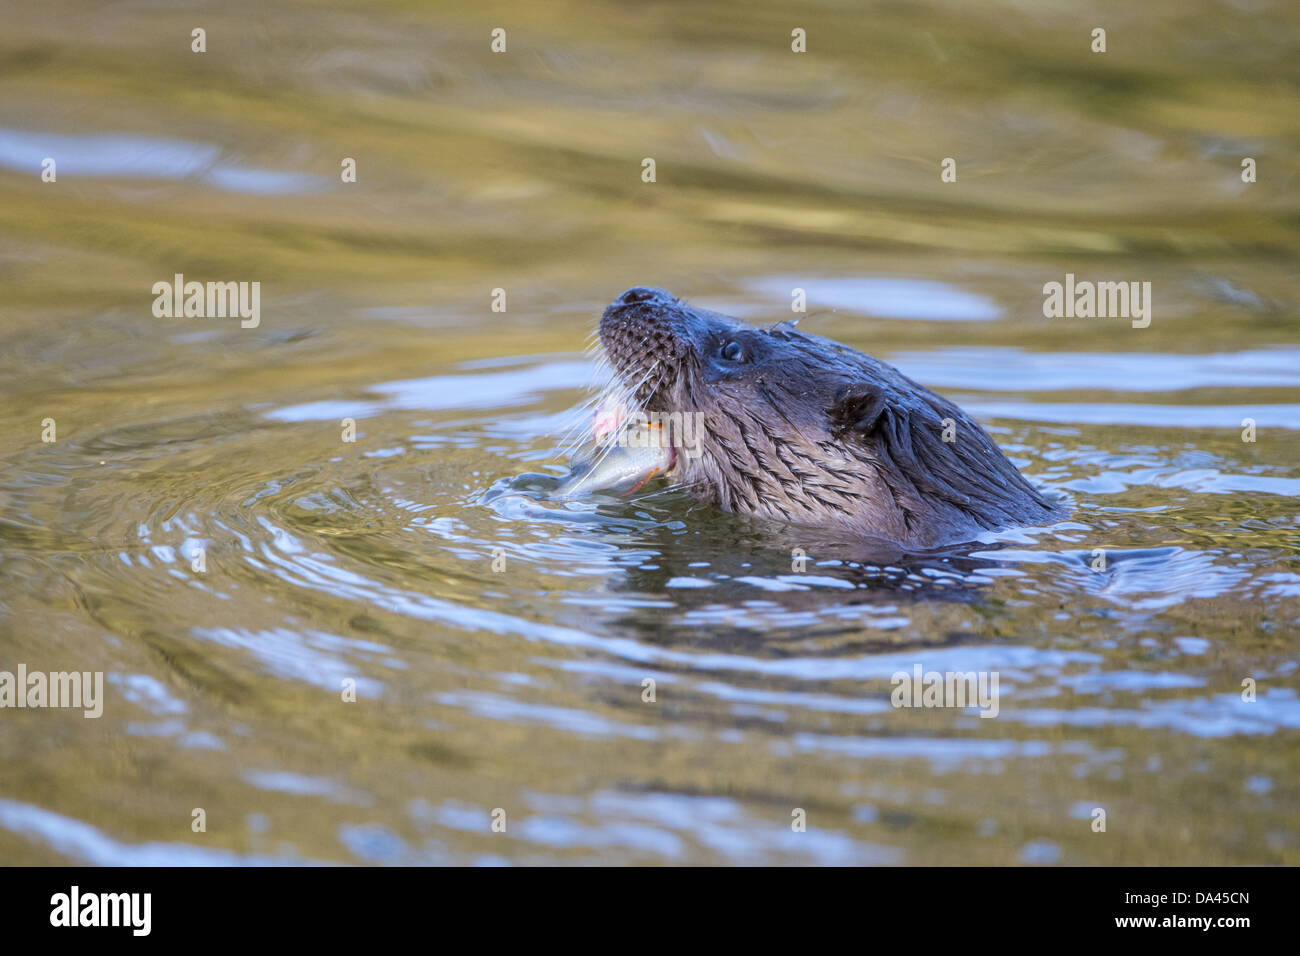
(733, 351)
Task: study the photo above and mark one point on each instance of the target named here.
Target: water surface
(520, 688)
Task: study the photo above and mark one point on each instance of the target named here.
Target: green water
(521, 689)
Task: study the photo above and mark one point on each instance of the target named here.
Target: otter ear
(858, 408)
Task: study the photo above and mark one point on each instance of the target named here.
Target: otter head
(796, 427)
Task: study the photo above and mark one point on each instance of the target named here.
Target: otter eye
(733, 352)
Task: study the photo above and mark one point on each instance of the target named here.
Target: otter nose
(639, 293)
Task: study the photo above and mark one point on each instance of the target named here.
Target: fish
(630, 457)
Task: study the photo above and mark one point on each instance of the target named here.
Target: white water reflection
(80, 842)
(888, 297)
(1020, 370)
(128, 156)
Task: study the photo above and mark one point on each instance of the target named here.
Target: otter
(798, 428)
